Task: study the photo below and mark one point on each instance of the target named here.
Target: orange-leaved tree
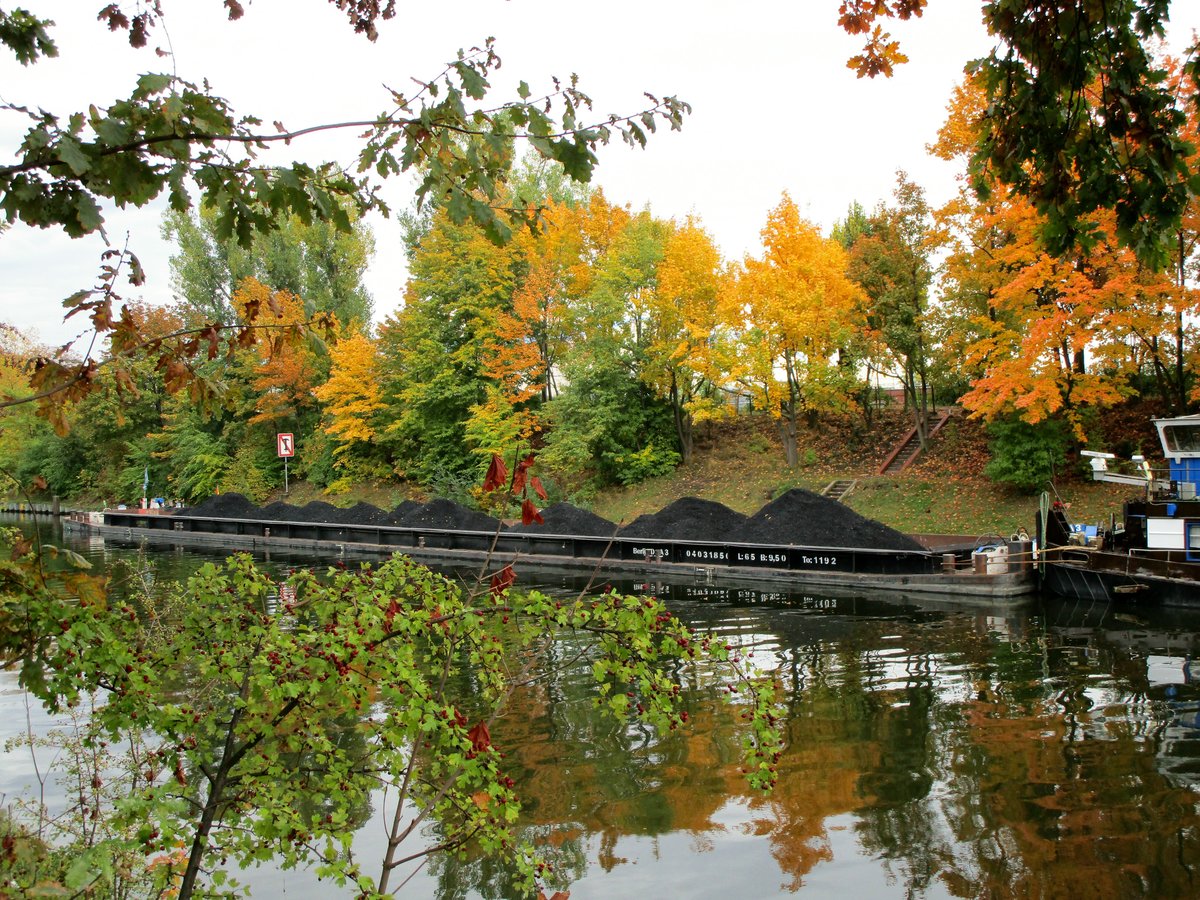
(1041, 335)
(284, 370)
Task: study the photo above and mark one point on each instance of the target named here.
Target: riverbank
(739, 463)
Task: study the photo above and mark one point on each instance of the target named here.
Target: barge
(1151, 555)
(997, 572)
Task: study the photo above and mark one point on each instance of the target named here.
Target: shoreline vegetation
(738, 464)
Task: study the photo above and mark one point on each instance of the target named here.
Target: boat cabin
(1180, 439)
(1169, 517)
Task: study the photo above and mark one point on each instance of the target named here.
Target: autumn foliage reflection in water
(970, 754)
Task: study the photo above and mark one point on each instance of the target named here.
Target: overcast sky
(775, 108)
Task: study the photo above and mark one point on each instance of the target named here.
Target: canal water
(934, 749)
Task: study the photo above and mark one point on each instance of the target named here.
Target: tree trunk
(787, 433)
(216, 797)
(683, 422)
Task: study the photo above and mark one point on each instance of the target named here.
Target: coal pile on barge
(802, 518)
(688, 519)
(361, 513)
(398, 516)
(563, 518)
(448, 514)
(281, 512)
(797, 518)
(226, 506)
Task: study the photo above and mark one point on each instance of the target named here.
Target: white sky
(774, 107)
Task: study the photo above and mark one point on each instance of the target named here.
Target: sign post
(285, 445)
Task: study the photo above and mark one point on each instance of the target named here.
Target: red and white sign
(285, 444)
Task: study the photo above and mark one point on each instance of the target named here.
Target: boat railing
(1133, 561)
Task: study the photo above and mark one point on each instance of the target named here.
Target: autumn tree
(20, 427)
(792, 310)
(1079, 116)
(1043, 335)
(681, 354)
(351, 399)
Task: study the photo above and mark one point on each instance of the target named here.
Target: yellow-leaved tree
(792, 311)
(684, 333)
(351, 397)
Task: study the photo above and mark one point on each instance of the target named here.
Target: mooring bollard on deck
(1020, 556)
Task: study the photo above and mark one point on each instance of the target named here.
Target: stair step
(837, 490)
(907, 452)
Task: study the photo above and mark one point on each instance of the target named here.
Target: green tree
(432, 353)
(316, 261)
(608, 426)
(890, 262)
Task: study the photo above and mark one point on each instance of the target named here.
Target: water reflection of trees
(1027, 757)
(1024, 761)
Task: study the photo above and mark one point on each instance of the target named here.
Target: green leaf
(71, 152)
(153, 84)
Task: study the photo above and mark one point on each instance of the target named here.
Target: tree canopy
(1079, 115)
(177, 140)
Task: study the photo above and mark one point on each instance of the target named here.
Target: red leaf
(480, 738)
(530, 514)
(519, 479)
(503, 580)
(537, 487)
(497, 474)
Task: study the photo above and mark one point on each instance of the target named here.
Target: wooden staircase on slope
(837, 490)
(909, 447)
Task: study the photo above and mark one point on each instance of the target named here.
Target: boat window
(1182, 438)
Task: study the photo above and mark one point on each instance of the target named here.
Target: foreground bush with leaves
(267, 714)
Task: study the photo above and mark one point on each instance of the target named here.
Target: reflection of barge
(910, 571)
(1152, 556)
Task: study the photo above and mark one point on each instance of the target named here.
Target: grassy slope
(741, 464)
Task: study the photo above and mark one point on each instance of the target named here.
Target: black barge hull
(1102, 577)
(921, 572)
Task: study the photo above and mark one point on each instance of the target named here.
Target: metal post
(285, 476)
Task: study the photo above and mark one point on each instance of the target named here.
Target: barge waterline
(906, 572)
